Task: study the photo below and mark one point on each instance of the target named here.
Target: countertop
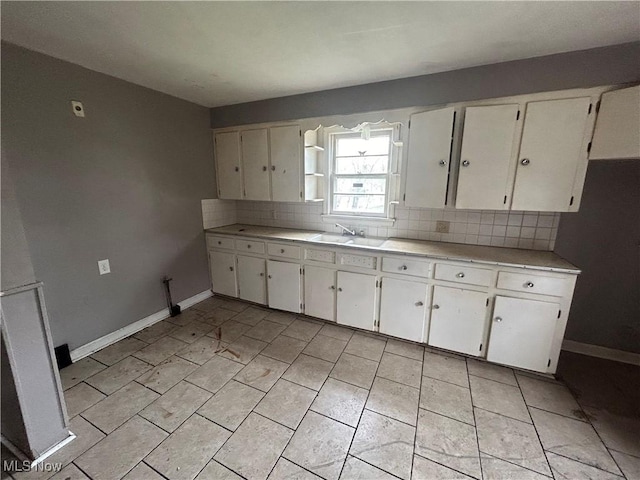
(511, 257)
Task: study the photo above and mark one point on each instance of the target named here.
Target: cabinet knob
(442, 163)
(436, 307)
(261, 274)
(231, 268)
(237, 169)
(525, 161)
(460, 275)
(332, 287)
(282, 250)
(273, 168)
(219, 242)
(403, 267)
(529, 284)
(465, 163)
(264, 169)
(249, 246)
(419, 304)
(268, 276)
(339, 289)
(498, 319)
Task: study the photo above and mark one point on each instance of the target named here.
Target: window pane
(355, 146)
(372, 204)
(358, 165)
(360, 185)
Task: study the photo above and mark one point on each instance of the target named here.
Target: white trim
(20, 455)
(113, 337)
(601, 352)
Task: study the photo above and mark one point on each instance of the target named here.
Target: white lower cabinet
(458, 319)
(320, 292)
(522, 332)
(403, 306)
(223, 273)
(356, 299)
(284, 285)
(251, 281)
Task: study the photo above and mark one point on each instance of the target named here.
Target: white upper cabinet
(553, 155)
(617, 133)
(255, 163)
(486, 169)
(286, 163)
(229, 175)
(429, 157)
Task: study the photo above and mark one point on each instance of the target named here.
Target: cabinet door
(617, 133)
(284, 285)
(485, 158)
(251, 281)
(356, 299)
(522, 332)
(457, 319)
(551, 152)
(255, 164)
(403, 306)
(320, 292)
(428, 158)
(286, 163)
(229, 175)
(223, 273)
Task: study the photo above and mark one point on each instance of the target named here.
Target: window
(360, 173)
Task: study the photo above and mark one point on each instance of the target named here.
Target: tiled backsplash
(216, 213)
(534, 230)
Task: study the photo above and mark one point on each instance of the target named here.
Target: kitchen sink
(348, 240)
(330, 238)
(367, 242)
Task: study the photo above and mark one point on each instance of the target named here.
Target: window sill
(359, 220)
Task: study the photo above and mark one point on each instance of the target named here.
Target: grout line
(159, 473)
(516, 464)
(475, 423)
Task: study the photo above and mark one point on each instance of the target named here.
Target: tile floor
(227, 390)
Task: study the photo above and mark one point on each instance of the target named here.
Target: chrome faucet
(346, 230)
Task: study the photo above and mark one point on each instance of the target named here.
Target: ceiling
(221, 53)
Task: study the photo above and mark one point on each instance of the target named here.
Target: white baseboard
(601, 352)
(113, 337)
(20, 455)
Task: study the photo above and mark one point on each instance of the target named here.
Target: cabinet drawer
(405, 266)
(324, 256)
(523, 282)
(249, 246)
(219, 242)
(285, 251)
(463, 274)
(362, 261)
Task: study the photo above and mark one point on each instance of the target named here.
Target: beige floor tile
(119, 350)
(424, 469)
(142, 471)
(70, 472)
(174, 407)
(202, 350)
(167, 374)
(366, 347)
(214, 374)
(308, 371)
(79, 371)
(394, 400)
(229, 331)
(283, 318)
(119, 407)
(511, 440)
(234, 305)
(384, 443)
(285, 470)
(254, 448)
(491, 371)
(618, 431)
(217, 316)
(187, 450)
(118, 375)
(356, 469)
(265, 331)
(155, 331)
(302, 329)
(243, 350)
(320, 445)
(286, 403)
(446, 399)
(119, 452)
(549, 396)
(208, 304)
(337, 332)
(262, 373)
(629, 464)
(446, 368)
(573, 439)
(216, 471)
(231, 405)
(400, 369)
(495, 469)
(565, 468)
(355, 370)
(160, 350)
(405, 349)
(185, 317)
(251, 316)
(499, 398)
(341, 401)
(448, 442)
(81, 397)
(192, 331)
(285, 349)
(326, 348)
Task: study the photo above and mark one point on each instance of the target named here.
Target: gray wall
(124, 183)
(603, 238)
(585, 68)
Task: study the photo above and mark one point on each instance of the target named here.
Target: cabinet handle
(525, 161)
(268, 276)
(419, 304)
(282, 250)
(249, 246)
(460, 275)
(436, 307)
(264, 169)
(273, 168)
(332, 287)
(261, 274)
(465, 163)
(237, 169)
(219, 242)
(442, 163)
(339, 289)
(498, 319)
(403, 267)
(231, 268)
(529, 285)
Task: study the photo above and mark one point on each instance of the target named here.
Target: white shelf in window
(311, 200)
(314, 174)
(314, 147)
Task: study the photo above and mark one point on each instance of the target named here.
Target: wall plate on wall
(78, 109)
(104, 267)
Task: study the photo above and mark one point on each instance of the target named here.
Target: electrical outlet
(103, 267)
(78, 109)
(442, 226)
